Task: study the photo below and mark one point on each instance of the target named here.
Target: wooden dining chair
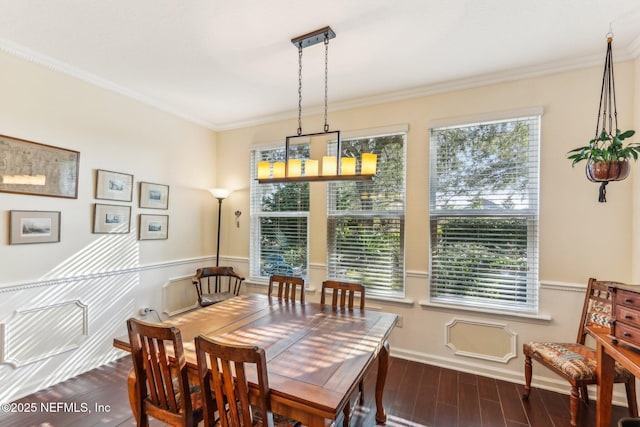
(343, 293)
(215, 284)
(222, 372)
(343, 296)
(576, 362)
(162, 388)
(287, 287)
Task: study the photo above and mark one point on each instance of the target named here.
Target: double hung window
(484, 214)
(279, 220)
(365, 219)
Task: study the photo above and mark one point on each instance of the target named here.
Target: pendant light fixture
(332, 167)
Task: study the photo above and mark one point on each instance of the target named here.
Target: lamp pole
(220, 194)
(220, 199)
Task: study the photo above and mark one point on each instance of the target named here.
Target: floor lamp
(220, 194)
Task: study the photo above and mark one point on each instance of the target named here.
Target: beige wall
(62, 303)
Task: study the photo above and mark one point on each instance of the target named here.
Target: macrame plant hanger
(608, 112)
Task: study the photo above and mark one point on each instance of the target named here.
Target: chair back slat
(343, 293)
(598, 307)
(160, 369)
(287, 286)
(222, 374)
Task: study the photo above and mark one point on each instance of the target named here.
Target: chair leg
(584, 393)
(361, 389)
(632, 400)
(347, 415)
(527, 377)
(574, 405)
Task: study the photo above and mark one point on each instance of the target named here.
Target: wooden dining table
(608, 351)
(316, 354)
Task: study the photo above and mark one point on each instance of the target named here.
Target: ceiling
(230, 63)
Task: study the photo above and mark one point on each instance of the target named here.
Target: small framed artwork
(154, 196)
(34, 227)
(111, 219)
(154, 227)
(114, 186)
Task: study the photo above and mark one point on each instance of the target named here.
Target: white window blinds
(279, 220)
(366, 219)
(484, 214)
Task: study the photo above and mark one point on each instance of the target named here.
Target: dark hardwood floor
(415, 395)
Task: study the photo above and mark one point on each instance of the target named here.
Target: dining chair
(343, 295)
(222, 372)
(215, 284)
(162, 388)
(576, 362)
(287, 287)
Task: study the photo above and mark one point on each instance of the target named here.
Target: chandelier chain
(300, 89)
(326, 80)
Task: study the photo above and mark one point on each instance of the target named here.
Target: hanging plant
(606, 156)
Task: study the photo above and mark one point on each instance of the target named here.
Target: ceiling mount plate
(313, 37)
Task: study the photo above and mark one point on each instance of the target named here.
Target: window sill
(512, 314)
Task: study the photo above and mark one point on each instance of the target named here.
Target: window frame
(257, 214)
(530, 215)
(334, 215)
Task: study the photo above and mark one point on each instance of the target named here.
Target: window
(279, 218)
(366, 219)
(484, 214)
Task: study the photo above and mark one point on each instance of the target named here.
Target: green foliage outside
(482, 170)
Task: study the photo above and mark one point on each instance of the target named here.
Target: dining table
(316, 354)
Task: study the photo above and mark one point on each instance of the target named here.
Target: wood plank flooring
(415, 395)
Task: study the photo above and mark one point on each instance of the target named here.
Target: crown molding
(632, 51)
(55, 65)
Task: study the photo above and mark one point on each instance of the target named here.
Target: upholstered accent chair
(577, 362)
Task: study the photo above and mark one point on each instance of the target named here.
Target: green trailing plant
(606, 148)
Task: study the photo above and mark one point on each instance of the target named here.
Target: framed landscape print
(43, 170)
(111, 219)
(114, 186)
(154, 196)
(154, 227)
(34, 227)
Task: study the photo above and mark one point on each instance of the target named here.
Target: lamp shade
(219, 193)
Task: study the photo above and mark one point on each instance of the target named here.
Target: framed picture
(43, 170)
(111, 219)
(154, 227)
(114, 186)
(34, 227)
(154, 196)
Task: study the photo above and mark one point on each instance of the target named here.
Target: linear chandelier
(333, 167)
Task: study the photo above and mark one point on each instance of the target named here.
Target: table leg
(383, 366)
(605, 372)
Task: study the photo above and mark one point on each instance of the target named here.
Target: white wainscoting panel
(481, 340)
(179, 295)
(38, 333)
